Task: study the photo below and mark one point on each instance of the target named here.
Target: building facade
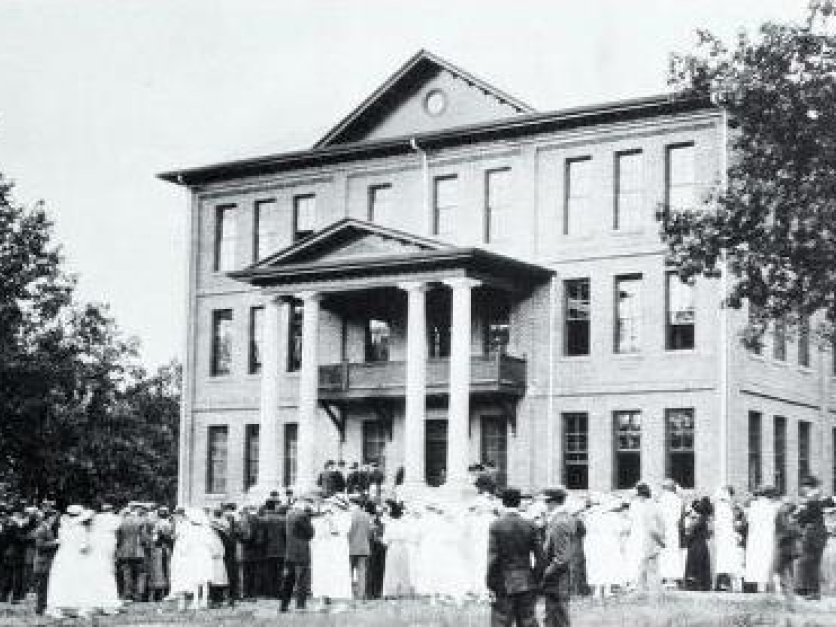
(449, 276)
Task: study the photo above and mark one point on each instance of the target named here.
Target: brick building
(449, 276)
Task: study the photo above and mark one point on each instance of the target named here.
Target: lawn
(671, 610)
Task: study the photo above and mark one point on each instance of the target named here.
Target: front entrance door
(494, 447)
(435, 459)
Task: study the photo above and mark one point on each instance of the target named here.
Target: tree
(79, 418)
(774, 224)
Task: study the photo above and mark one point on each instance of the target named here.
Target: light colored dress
(760, 542)
(70, 573)
(330, 566)
(191, 559)
(102, 561)
(476, 549)
(672, 557)
(452, 572)
(728, 553)
(603, 546)
(398, 536)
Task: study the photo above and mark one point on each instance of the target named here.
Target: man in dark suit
(359, 546)
(297, 572)
(273, 526)
(561, 531)
(46, 543)
(131, 541)
(512, 544)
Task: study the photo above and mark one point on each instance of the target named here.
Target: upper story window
(497, 328)
(779, 340)
(225, 233)
(498, 219)
(304, 216)
(221, 342)
(378, 334)
(681, 191)
(577, 213)
(804, 342)
(628, 308)
(265, 228)
(629, 190)
(294, 336)
(679, 317)
(380, 204)
(445, 202)
(256, 339)
(577, 308)
(216, 459)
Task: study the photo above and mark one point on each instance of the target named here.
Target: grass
(670, 610)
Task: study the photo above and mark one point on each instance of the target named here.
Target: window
(804, 342)
(304, 216)
(628, 314)
(681, 177)
(380, 204)
(680, 317)
(435, 452)
(224, 238)
(265, 228)
(780, 451)
(291, 440)
(629, 190)
(803, 450)
(445, 201)
(498, 218)
(250, 456)
(497, 328)
(216, 455)
(576, 451)
(577, 311)
(494, 445)
(221, 342)
(779, 340)
(679, 424)
(577, 213)
(374, 443)
(628, 440)
(755, 450)
(378, 334)
(256, 339)
(294, 336)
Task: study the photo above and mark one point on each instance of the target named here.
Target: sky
(98, 96)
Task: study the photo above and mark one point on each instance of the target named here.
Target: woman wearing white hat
(68, 586)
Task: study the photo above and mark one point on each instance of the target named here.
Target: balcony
(499, 374)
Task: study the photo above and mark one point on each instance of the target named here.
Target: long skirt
(698, 566)
(397, 578)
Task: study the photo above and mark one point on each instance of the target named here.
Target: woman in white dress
(191, 560)
(330, 567)
(603, 544)
(728, 561)
(103, 563)
(672, 556)
(760, 541)
(69, 589)
(398, 536)
(479, 518)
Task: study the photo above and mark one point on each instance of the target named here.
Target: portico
(356, 271)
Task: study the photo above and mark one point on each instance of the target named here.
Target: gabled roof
(410, 71)
(354, 248)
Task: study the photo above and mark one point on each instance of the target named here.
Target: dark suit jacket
(300, 531)
(274, 528)
(512, 542)
(559, 551)
(132, 537)
(46, 543)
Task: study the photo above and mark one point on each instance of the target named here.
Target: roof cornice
(516, 126)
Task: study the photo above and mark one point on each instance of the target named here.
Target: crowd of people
(355, 539)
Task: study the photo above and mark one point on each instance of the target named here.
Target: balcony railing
(501, 374)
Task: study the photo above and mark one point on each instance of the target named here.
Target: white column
(458, 418)
(308, 393)
(416, 384)
(268, 429)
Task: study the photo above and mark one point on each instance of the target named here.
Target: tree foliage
(774, 223)
(79, 418)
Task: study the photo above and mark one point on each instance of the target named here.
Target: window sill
(628, 356)
(681, 351)
(630, 233)
(780, 363)
(756, 357)
(575, 358)
(806, 370)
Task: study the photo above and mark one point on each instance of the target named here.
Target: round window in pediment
(435, 102)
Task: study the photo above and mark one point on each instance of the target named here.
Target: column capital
(308, 295)
(413, 286)
(462, 282)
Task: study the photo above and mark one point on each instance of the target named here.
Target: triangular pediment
(426, 94)
(351, 239)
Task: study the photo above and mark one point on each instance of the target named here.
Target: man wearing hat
(813, 537)
(512, 543)
(46, 543)
(561, 535)
(297, 572)
(132, 538)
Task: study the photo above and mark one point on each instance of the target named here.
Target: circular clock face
(435, 102)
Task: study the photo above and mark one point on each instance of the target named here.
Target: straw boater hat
(75, 510)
